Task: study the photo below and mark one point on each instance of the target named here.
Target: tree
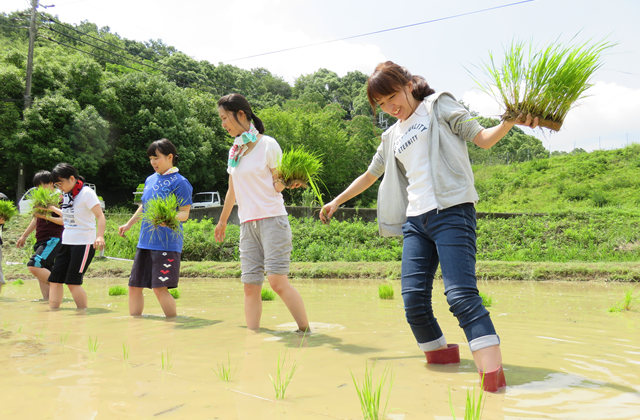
(56, 129)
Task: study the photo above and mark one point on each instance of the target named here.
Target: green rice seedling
(487, 300)
(166, 360)
(283, 376)
(617, 308)
(267, 294)
(298, 165)
(20, 329)
(385, 291)
(175, 293)
(370, 392)
(63, 338)
(474, 406)
(93, 345)
(626, 303)
(125, 352)
(162, 211)
(544, 83)
(224, 371)
(7, 210)
(18, 282)
(43, 198)
(117, 290)
(40, 334)
(316, 190)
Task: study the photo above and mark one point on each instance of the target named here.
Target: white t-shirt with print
(256, 196)
(416, 161)
(79, 220)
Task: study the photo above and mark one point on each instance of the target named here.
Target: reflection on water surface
(565, 356)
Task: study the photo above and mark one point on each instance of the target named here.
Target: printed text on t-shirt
(402, 143)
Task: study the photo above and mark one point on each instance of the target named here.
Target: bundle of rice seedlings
(545, 83)
(162, 211)
(43, 198)
(7, 210)
(117, 290)
(299, 166)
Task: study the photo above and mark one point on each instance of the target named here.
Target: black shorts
(153, 269)
(45, 253)
(71, 264)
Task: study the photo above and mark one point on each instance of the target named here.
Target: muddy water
(565, 356)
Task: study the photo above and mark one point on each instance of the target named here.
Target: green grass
(385, 291)
(43, 198)
(370, 392)
(573, 182)
(18, 282)
(165, 358)
(117, 290)
(487, 300)
(268, 294)
(224, 371)
(544, 83)
(298, 165)
(93, 345)
(175, 293)
(7, 210)
(474, 405)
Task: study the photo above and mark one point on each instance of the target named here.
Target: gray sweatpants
(1, 275)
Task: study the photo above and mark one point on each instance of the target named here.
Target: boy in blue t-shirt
(156, 264)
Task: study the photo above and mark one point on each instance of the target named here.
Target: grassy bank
(580, 181)
(600, 235)
(486, 270)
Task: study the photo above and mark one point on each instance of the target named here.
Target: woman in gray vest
(427, 196)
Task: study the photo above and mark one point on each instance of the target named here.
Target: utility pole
(27, 92)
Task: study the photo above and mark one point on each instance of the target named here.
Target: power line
(138, 55)
(256, 101)
(381, 31)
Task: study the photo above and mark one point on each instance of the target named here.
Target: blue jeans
(446, 237)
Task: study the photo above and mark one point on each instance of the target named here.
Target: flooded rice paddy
(565, 356)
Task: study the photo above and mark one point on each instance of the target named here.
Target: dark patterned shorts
(153, 269)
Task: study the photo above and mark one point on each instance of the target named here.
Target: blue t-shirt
(163, 238)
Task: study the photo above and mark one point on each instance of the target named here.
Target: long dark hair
(389, 78)
(65, 171)
(165, 147)
(235, 102)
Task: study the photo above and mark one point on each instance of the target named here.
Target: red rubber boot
(445, 356)
(494, 380)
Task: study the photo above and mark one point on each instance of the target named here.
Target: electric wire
(234, 88)
(380, 31)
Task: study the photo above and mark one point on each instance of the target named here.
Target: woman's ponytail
(257, 122)
(421, 88)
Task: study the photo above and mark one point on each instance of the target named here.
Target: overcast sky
(441, 51)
